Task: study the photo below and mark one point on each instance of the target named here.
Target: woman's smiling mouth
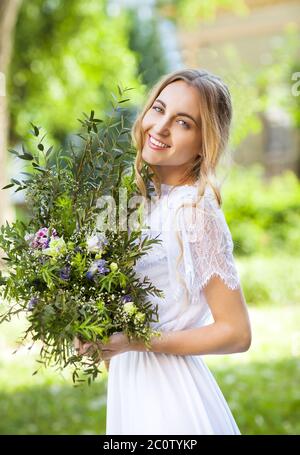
(155, 144)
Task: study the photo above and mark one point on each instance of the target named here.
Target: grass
(261, 385)
(45, 403)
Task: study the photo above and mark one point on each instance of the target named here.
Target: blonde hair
(216, 115)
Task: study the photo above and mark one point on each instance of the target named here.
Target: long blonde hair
(216, 115)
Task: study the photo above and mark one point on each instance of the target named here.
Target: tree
(69, 55)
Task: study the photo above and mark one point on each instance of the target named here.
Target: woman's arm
(229, 333)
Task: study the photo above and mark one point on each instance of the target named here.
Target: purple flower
(41, 238)
(65, 272)
(101, 266)
(126, 298)
(42, 260)
(90, 276)
(33, 301)
(98, 267)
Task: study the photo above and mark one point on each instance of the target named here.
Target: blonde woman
(168, 390)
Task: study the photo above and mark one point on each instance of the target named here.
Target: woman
(180, 135)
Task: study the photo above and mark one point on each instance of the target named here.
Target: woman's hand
(84, 348)
(116, 344)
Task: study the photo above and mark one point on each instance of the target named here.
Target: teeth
(155, 142)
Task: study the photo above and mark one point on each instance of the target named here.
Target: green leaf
(120, 91)
(49, 151)
(36, 129)
(8, 186)
(19, 189)
(13, 151)
(114, 96)
(26, 156)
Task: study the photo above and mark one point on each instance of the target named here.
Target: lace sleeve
(207, 246)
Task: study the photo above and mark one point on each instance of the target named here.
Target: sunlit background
(59, 58)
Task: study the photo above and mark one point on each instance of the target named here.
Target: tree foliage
(68, 55)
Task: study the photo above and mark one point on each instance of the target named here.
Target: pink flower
(41, 238)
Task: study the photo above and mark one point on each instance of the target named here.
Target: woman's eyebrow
(178, 113)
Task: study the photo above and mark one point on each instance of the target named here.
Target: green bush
(270, 280)
(263, 215)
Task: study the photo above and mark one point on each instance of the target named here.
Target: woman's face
(173, 120)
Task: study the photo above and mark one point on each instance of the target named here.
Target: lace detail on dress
(207, 246)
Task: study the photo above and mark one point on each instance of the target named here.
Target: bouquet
(71, 274)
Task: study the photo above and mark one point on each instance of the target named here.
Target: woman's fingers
(77, 344)
(87, 348)
(80, 347)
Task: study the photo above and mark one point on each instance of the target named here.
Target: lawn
(262, 384)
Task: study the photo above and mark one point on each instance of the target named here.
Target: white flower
(96, 242)
(129, 308)
(113, 266)
(28, 237)
(92, 244)
(56, 247)
(139, 317)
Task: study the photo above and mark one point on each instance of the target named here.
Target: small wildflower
(65, 273)
(113, 266)
(90, 276)
(126, 298)
(32, 303)
(130, 308)
(139, 317)
(101, 266)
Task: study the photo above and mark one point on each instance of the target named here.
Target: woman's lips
(155, 147)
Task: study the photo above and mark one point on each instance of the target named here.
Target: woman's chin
(151, 157)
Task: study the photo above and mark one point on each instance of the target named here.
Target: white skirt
(161, 394)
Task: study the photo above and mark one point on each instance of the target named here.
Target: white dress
(161, 394)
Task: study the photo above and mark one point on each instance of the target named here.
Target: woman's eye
(185, 124)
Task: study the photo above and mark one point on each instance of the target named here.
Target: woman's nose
(162, 127)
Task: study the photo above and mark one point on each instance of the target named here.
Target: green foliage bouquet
(72, 277)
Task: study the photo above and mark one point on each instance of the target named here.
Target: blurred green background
(59, 58)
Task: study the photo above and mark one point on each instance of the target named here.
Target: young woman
(168, 390)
